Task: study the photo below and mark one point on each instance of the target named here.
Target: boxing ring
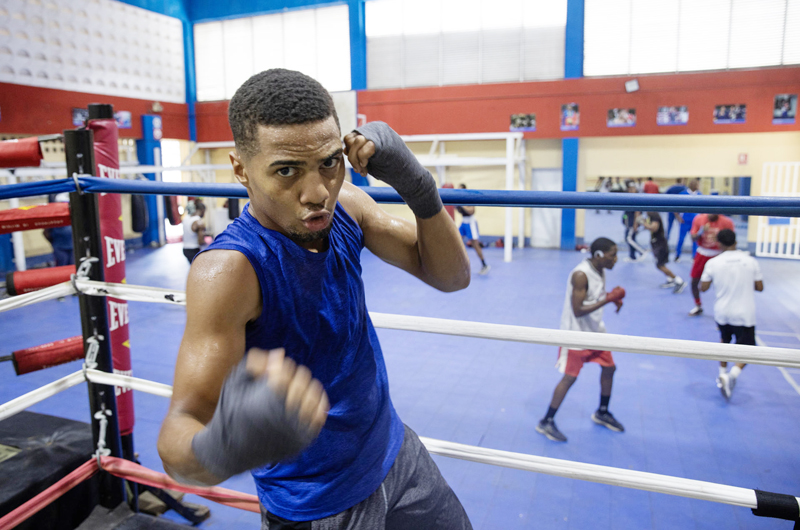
(90, 285)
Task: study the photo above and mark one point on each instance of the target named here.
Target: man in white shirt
(736, 276)
(194, 231)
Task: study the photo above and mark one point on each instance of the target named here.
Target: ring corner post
(85, 217)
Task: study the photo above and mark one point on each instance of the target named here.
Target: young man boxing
(280, 371)
(583, 311)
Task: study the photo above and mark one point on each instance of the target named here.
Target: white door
(546, 222)
(779, 237)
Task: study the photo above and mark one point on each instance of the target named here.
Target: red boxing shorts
(699, 265)
(570, 362)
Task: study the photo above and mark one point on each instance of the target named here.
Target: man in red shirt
(705, 228)
(650, 186)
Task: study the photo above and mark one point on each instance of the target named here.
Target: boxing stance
(704, 231)
(583, 311)
(736, 277)
(280, 371)
(660, 248)
(469, 231)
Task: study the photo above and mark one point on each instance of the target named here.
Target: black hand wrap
(250, 428)
(395, 164)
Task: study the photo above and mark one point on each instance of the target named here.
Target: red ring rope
(129, 471)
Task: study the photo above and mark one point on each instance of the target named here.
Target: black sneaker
(549, 429)
(607, 420)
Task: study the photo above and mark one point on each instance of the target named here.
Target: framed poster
(621, 118)
(730, 113)
(523, 122)
(570, 117)
(79, 116)
(675, 115)
(123, 119)
(785, 110)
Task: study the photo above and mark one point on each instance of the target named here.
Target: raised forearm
(443, 257)
(175, 450)
(583, 310)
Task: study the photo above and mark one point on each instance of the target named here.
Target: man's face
(294, 179)
(693, 185)
(610, 258)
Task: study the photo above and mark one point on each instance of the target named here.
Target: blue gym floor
(492, 394)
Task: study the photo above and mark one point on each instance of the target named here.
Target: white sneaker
(679, 287)
(724, 385)
(696, 310)
(485, 270)
(668, 284)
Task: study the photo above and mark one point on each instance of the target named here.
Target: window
(624, 37)
(313, 41)
(449, 42)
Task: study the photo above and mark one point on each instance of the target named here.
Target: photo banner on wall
(675, 115)
(523, 123)
(621, 118)
(730, 114)
(785, 110)
(570, 117)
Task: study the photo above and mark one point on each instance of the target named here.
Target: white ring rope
(33, 397)
(581, 340)
(131, 293)
(713, 351)
(42, 295)
(129, 383)
(626, 478)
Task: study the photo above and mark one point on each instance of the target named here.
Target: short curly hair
(276, 97)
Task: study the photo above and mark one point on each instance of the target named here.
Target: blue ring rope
(771, 206)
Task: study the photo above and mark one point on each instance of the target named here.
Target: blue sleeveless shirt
(314, 307)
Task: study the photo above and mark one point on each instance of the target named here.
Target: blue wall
(573, 68)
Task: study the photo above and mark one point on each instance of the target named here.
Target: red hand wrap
(617, 293)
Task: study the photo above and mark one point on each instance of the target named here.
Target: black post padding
(12, 291)
(86, 240)
(777, 506)
(233, 209)
(101, 111)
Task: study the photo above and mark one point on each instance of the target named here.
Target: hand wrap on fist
(616, 295)
(396, 165)
(251, 426)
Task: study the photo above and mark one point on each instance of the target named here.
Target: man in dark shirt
(658, 242)
(630, 220)
(675, 189)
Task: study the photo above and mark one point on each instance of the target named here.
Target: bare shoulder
(356, 202)
(579, 279)
(224, 282)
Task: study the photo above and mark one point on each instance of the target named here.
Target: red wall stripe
(35, 110)
(487, 108)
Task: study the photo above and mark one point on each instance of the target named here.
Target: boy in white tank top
(583, 311)
(194, 230)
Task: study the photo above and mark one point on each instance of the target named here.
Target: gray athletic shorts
(414, 495)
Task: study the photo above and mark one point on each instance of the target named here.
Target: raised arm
(432, 250)
(222, 295)
(227, 415)
(651, 226)
(580, 285)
